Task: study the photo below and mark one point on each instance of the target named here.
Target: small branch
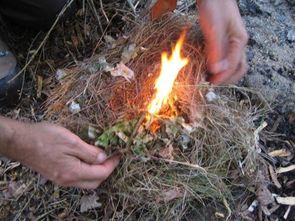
(96, 15)
(103, 12)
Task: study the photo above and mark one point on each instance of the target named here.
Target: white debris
(253, 206)
(123, 71)
(285, 169)
(74, 107)
(289, 200)
(109, 39)
(129, 52)
(91, 133)
(211, 96)
(189, 129)
(104, 65)
(60, 74)
(88, 203)
(122, 136)
(100, 64)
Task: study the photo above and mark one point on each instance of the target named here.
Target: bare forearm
(10, 130)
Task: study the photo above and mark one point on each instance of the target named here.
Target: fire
(170, 67)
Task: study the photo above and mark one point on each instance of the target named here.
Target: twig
(228, 208)
(132, 6)
(195, 166)
(96, 15)
(135, 130)
(103, 12)
(44, 40)
(102, 35)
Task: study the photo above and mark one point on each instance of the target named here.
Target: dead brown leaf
(167, 152)
(123, 71)
(16, 189)
(170, 195)
(89, 202)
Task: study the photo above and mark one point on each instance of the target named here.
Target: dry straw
(221, 155)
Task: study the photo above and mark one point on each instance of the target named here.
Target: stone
(291, 35)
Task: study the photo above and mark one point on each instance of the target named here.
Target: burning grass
(199, 157)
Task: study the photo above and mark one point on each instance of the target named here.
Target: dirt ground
(25, 195)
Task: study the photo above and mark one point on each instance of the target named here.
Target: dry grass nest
(205, 156)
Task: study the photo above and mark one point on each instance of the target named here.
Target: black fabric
(32, 13)
(10, 88)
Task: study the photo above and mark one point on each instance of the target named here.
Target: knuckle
(93, 154)
(63, 178)
(74, 142)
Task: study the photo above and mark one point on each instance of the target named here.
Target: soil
(271, 59)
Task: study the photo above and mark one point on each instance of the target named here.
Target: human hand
(62, 157)
(226, 39)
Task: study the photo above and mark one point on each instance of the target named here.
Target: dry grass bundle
(180, 168)
(104, 99)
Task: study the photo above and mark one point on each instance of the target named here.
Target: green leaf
(109, 137)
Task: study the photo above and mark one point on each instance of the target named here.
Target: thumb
(91, 154)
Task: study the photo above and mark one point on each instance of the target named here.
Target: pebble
(291, 35)
(250, 55)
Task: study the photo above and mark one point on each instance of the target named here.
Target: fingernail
(101, 158)
(219, 67)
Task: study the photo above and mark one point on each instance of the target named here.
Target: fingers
(240, 72)
(90, 154)
(98, 172)
(236, 61)
(90, 176)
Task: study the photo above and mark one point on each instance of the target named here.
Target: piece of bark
(285, 169)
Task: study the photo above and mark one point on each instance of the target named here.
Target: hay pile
(199, 158)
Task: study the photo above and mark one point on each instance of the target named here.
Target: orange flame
(170, 67)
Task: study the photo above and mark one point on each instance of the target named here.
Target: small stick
(135, 130)
(194, 166)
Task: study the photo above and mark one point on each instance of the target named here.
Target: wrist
(7, 133)
(10, 138)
